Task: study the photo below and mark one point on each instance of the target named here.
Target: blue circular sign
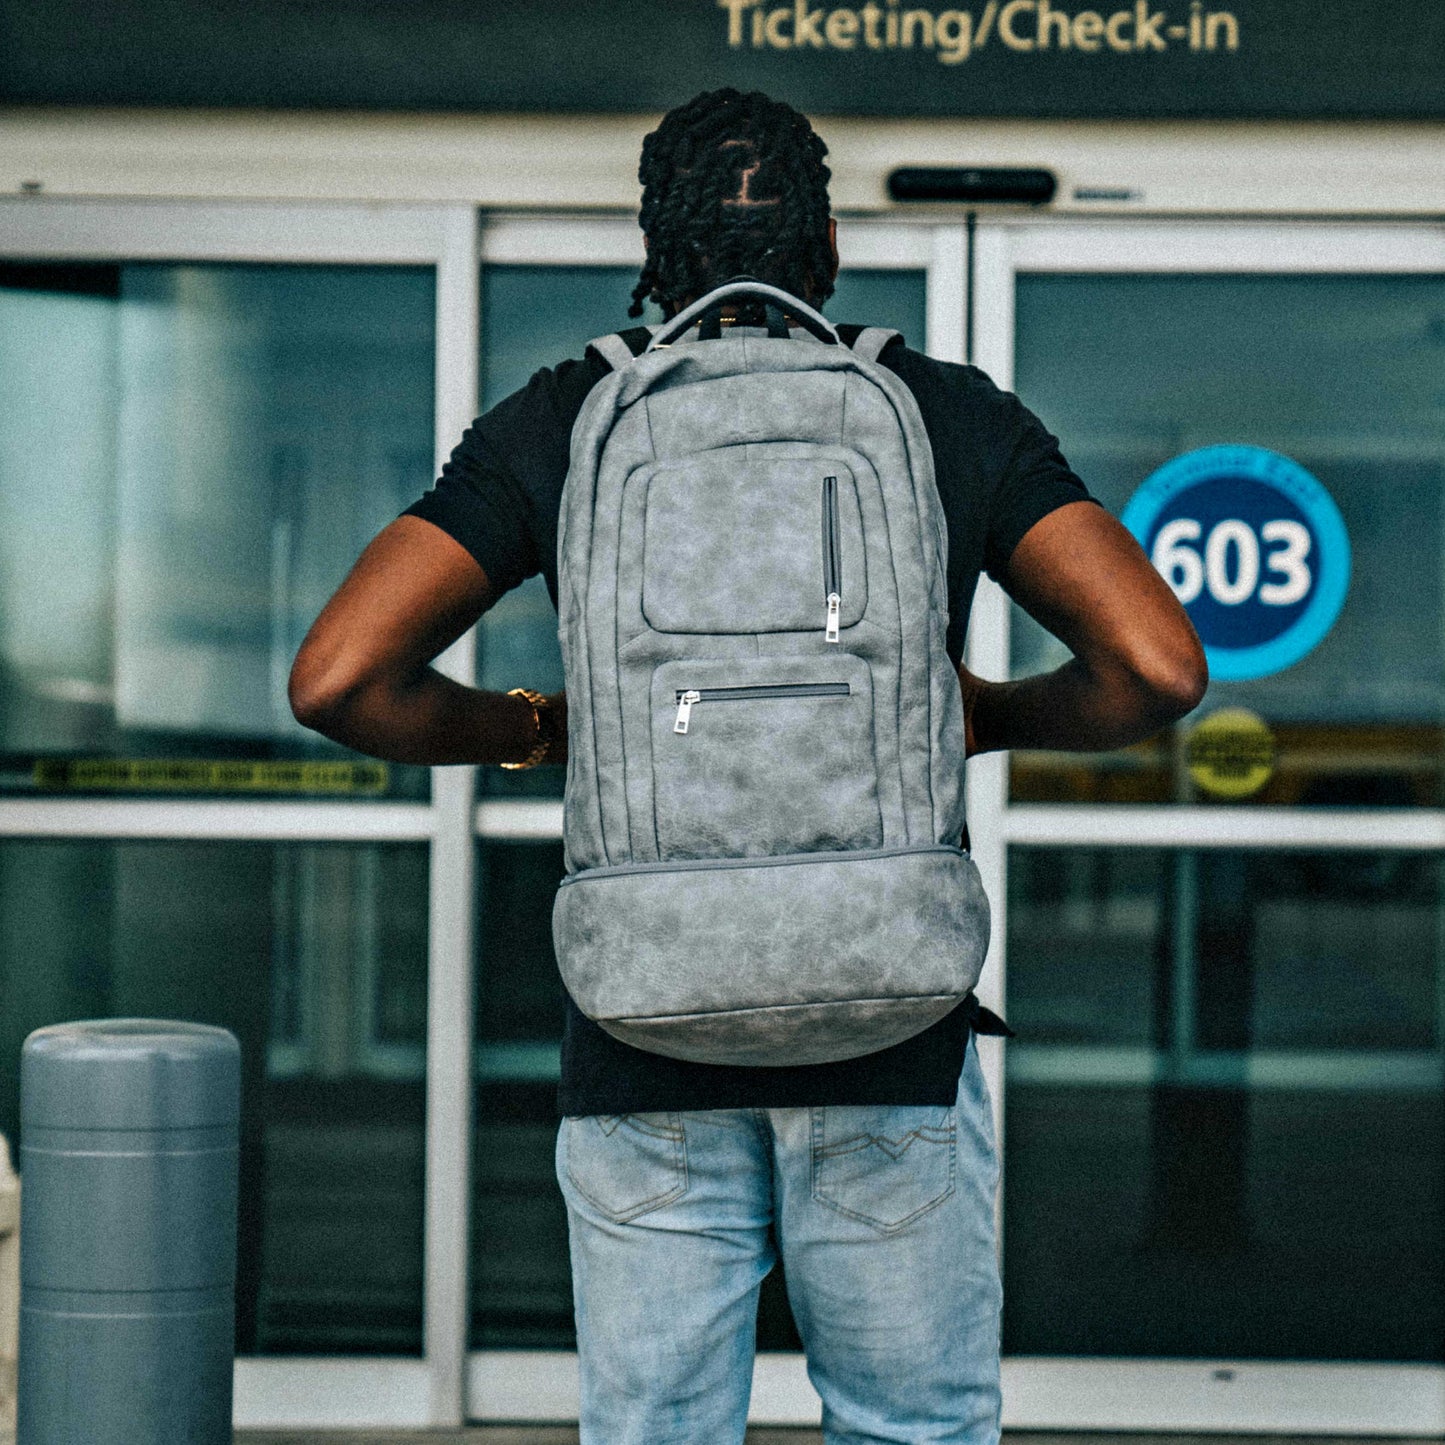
(1253, 546)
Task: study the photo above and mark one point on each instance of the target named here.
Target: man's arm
(363, 674)
(1137, 664)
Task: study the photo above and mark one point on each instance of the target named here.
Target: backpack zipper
(832, 560)
(688, 696)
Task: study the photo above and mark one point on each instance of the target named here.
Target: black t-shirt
(998, 469)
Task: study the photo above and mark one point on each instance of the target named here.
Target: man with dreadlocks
(872, 1179)
(734, 185)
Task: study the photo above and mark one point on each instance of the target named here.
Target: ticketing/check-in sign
(1253, 546)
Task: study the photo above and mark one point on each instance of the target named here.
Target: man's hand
(363, 674)
(972, 686)
(1137, 664)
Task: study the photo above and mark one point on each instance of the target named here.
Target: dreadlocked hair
(733, 184)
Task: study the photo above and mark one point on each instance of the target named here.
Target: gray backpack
(764, 799)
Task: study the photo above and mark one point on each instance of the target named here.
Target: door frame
(450, 1383)
(286, 1391)
(541, 1385)
(1058, 1393)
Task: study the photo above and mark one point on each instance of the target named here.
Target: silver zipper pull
(684, 709)
(831, 632)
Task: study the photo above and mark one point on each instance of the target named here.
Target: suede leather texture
(813, 954)
(815, 1033)
(691, 549)
(695, 517)
(759, 776)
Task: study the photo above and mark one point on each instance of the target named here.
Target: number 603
(1233, 579)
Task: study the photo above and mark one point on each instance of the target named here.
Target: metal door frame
(297, 1390)
(1048, 1393)
(541, 1385)
(449, 1383)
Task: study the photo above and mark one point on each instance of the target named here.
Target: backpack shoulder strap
(617, 348)
(870, 342)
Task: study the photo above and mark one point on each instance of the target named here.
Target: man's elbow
(1175, 680)
(319, 695)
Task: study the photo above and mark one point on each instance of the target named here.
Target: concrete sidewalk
(478, 1435)
(561, 1435)
(564, 1435)
(490, 1435)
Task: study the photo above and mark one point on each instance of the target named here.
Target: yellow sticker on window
(1231, 753)
(208, 775)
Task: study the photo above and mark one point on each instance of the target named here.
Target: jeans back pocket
(884, 1164)
(626, 1164)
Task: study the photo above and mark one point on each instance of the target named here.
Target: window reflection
(521, 1280)
(191, 458)
(1225, 1106)
(1343, 375)
(314, 956)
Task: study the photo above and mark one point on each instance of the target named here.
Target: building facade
(236, 341)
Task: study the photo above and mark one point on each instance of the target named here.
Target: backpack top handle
(811, 320)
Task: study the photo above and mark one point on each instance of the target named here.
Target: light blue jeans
(884, 1217)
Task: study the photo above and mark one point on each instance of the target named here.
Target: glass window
(314, 956)
(521, 1278)
(521, 1281)
(191, 457)
(1225, 1116)
(1341, 374)
(535, 316)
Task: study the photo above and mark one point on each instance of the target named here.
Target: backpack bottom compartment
(795, 959)
(812, 1033)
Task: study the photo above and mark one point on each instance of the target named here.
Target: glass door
(1223, 950)
(211, 410)
(547, 285)
(1224, 1185)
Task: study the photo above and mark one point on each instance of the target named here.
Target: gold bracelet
(543, 742)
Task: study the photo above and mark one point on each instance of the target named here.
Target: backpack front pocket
(722, 558)
(760, 756)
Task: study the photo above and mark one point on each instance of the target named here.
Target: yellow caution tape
(209, 775)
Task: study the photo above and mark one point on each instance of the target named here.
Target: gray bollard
(128, 1149)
